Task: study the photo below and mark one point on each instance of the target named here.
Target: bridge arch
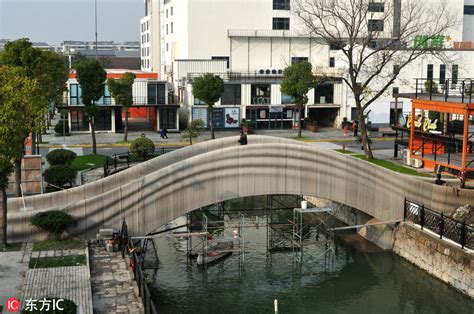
(208, 176)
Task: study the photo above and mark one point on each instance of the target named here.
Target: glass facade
(324, 93)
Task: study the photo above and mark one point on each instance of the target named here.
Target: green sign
(426, 41)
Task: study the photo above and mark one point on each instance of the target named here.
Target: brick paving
(72, 283)
(113, 289)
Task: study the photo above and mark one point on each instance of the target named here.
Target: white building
(249, 43)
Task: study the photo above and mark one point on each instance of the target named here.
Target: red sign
(463, 45)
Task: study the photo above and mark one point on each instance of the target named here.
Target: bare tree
(377, 41)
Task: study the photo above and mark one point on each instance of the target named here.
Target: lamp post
(96, 53)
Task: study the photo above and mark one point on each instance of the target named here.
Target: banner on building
(218, 117)
(232, 117)
(200, 114)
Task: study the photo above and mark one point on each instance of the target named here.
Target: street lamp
(96, 53)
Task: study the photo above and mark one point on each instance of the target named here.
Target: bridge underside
(155, 192)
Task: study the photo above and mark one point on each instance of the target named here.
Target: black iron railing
(456, 90)
(126, 245)
(445, 227)
(123, 161)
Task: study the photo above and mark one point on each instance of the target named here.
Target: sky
(54, 21)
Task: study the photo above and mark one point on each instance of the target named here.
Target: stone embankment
(441, 258)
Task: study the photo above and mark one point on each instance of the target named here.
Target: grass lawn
(12, 247)
(87, 162)
(393, 166)
(58, 245)
(58, 261)
(345, 151)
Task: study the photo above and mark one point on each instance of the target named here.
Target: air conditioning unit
(416, 163)
(406, 157)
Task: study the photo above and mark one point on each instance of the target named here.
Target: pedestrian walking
(355, 127)
(346, 130)
(243, 138)
(165, 133)
(162, 132)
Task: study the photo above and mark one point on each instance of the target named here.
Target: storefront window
(103, 120)
(79, 121)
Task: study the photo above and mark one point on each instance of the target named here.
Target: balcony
(109, 101)
(267, 33)
(448, 90)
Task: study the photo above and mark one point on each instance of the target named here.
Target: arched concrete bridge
(152, 193)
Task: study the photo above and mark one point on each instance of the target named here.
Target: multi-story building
(150, 41)
(250, 42)
(152, 108)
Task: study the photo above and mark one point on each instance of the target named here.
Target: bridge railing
(444, 226)
(124, 160)
(126, 245)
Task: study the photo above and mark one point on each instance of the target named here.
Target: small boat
(215, 252)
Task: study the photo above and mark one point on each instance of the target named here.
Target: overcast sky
(54, 21)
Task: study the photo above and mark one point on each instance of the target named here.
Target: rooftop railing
(454, 90)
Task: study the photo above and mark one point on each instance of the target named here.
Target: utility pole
(96, 53)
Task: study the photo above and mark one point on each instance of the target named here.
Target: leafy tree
(193, 130)
(298, 80)
(121, 90)
(50, 72)
(371, 55)
(209, 89)
(91, 76)
(19, 109)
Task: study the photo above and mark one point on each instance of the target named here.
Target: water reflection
(347, 282)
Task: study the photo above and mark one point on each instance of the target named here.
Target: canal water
(323, 277)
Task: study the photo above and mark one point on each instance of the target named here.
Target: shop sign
(276, 109)
(426, 41)
(232, 117)
(463, 45)
(424, 124)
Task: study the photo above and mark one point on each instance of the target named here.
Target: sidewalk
(85, 139)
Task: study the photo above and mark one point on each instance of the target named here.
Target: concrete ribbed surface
(160, 190)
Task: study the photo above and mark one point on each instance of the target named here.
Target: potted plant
(247, 126)
(311, 125)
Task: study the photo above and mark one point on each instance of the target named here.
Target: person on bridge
(243, 138)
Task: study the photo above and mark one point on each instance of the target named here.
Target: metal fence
(123, 161)
(445, 227)
(144, 292)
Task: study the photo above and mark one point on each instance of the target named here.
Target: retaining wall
(441, 258)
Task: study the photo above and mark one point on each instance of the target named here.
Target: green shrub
(142, 147)
(53, 221)
(60, 157)
(58, 128)
(431, 86)
(68, 307)
(60, 175)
